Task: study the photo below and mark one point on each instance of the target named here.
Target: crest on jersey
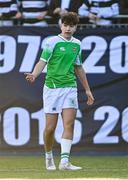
(74, 49)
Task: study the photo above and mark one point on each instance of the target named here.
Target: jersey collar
(66, 39)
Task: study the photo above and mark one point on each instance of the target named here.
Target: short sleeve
(47, 51)
(79, 58)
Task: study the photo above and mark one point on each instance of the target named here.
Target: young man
(62, 53)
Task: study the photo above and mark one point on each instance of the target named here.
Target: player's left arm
(83, 79)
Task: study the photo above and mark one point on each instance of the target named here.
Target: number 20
(118, 54)
(113, 114)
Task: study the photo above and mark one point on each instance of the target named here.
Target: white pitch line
(67, 179)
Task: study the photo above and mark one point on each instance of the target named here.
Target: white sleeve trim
(78, 64)
(43, 59)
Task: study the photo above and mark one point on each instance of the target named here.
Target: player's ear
(75, 28)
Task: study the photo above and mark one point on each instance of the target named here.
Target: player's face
(67, 30)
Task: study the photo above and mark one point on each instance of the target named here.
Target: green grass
(93, 167)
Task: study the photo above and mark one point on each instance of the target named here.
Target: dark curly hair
(70, 18)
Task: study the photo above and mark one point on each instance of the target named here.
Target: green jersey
(61, 55)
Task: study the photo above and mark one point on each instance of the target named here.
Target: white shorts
(55, 100)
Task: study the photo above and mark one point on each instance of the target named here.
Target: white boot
(68, 166)
(50, 165)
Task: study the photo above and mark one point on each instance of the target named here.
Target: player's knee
(49, 130)
(69, 126)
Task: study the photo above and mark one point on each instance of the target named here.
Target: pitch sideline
(66, 179)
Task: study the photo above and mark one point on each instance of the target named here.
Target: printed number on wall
(117, 53)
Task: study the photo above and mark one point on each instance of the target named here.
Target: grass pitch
(98, 168)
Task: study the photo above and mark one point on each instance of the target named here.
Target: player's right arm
(36, 72)
(44, 59)
(45, 56)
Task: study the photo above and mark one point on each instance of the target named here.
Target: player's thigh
(68, 116)
(51, 120)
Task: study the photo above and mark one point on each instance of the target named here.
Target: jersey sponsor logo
(62, 49)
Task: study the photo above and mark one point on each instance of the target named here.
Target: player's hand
(18, 15)
(30, 77)
(92, 16)
(90, 97)
(57, 11)
(63, 11)
(41, 17)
